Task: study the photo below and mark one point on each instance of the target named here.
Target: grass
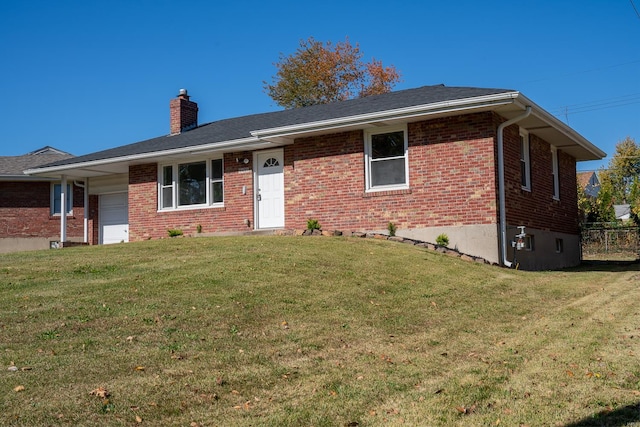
(276, 331)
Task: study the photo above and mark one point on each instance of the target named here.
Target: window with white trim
(525, 164)
(191, 184)
(166, 187)
(554, 173)
(55, 199)
(386, 159)
(217, 187)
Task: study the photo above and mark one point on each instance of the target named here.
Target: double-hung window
(56, 190)
(525, 164)
(554, 173)
(386, 159)
(217, 189)
(191, 184)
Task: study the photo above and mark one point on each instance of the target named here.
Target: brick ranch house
(473, 163)
(30, 206)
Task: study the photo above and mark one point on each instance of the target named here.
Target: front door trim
(258, 158)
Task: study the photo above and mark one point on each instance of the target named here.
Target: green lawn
(311, 331)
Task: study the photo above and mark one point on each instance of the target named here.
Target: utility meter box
(520, 238)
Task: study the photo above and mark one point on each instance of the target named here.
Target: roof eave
(144, 157)
(592, 152)
(444, 107)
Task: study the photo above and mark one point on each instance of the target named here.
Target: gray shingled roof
(241, 127)
(13, 166)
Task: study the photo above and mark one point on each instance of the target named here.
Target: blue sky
(84, 76)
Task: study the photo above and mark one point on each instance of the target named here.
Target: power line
(596, 105)
(634, 8)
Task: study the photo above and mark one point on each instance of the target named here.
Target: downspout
(501, 195)
(84, 185)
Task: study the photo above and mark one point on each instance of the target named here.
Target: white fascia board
(399, 113)
(21, 178)
(561, 127)
(216, 146)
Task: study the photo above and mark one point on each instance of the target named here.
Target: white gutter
(501, 196)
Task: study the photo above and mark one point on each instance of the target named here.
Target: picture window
(193, 184)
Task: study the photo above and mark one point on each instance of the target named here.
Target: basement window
(559, 246)
(386, 159)
(189, 185)
(529, 243)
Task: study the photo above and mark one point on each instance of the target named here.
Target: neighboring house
(30, 206)
(622, 212)
(590, 183)
(469, 162)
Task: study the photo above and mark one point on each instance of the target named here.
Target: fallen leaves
(466, 410)
(386, 358)
(100, 392)
(246, 406)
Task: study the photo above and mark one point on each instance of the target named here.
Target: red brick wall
(145, 222)
(452, 179)
(537, 208)
(25, 211)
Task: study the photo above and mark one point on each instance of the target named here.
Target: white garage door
(114, 218)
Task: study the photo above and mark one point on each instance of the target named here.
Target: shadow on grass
(616, 418)
(607, 265)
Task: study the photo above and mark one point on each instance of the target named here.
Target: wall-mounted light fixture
(242, 160)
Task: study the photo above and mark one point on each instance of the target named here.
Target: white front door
(270, 189)
(114, 218)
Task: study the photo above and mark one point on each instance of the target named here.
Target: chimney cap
(182, 92)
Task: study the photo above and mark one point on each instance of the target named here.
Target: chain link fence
(604, 241)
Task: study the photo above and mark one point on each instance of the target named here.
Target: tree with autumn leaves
(319, 73)
(619, 184)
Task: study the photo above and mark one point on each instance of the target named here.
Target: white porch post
(86, 211)
(63, 209)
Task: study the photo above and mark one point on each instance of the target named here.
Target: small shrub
(174, 232)
(199, 228)
(442, 240)
(391, 227)
(313, 224)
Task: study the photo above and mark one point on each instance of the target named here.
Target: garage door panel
(114, 218)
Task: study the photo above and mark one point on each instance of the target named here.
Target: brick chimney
(184, 113)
